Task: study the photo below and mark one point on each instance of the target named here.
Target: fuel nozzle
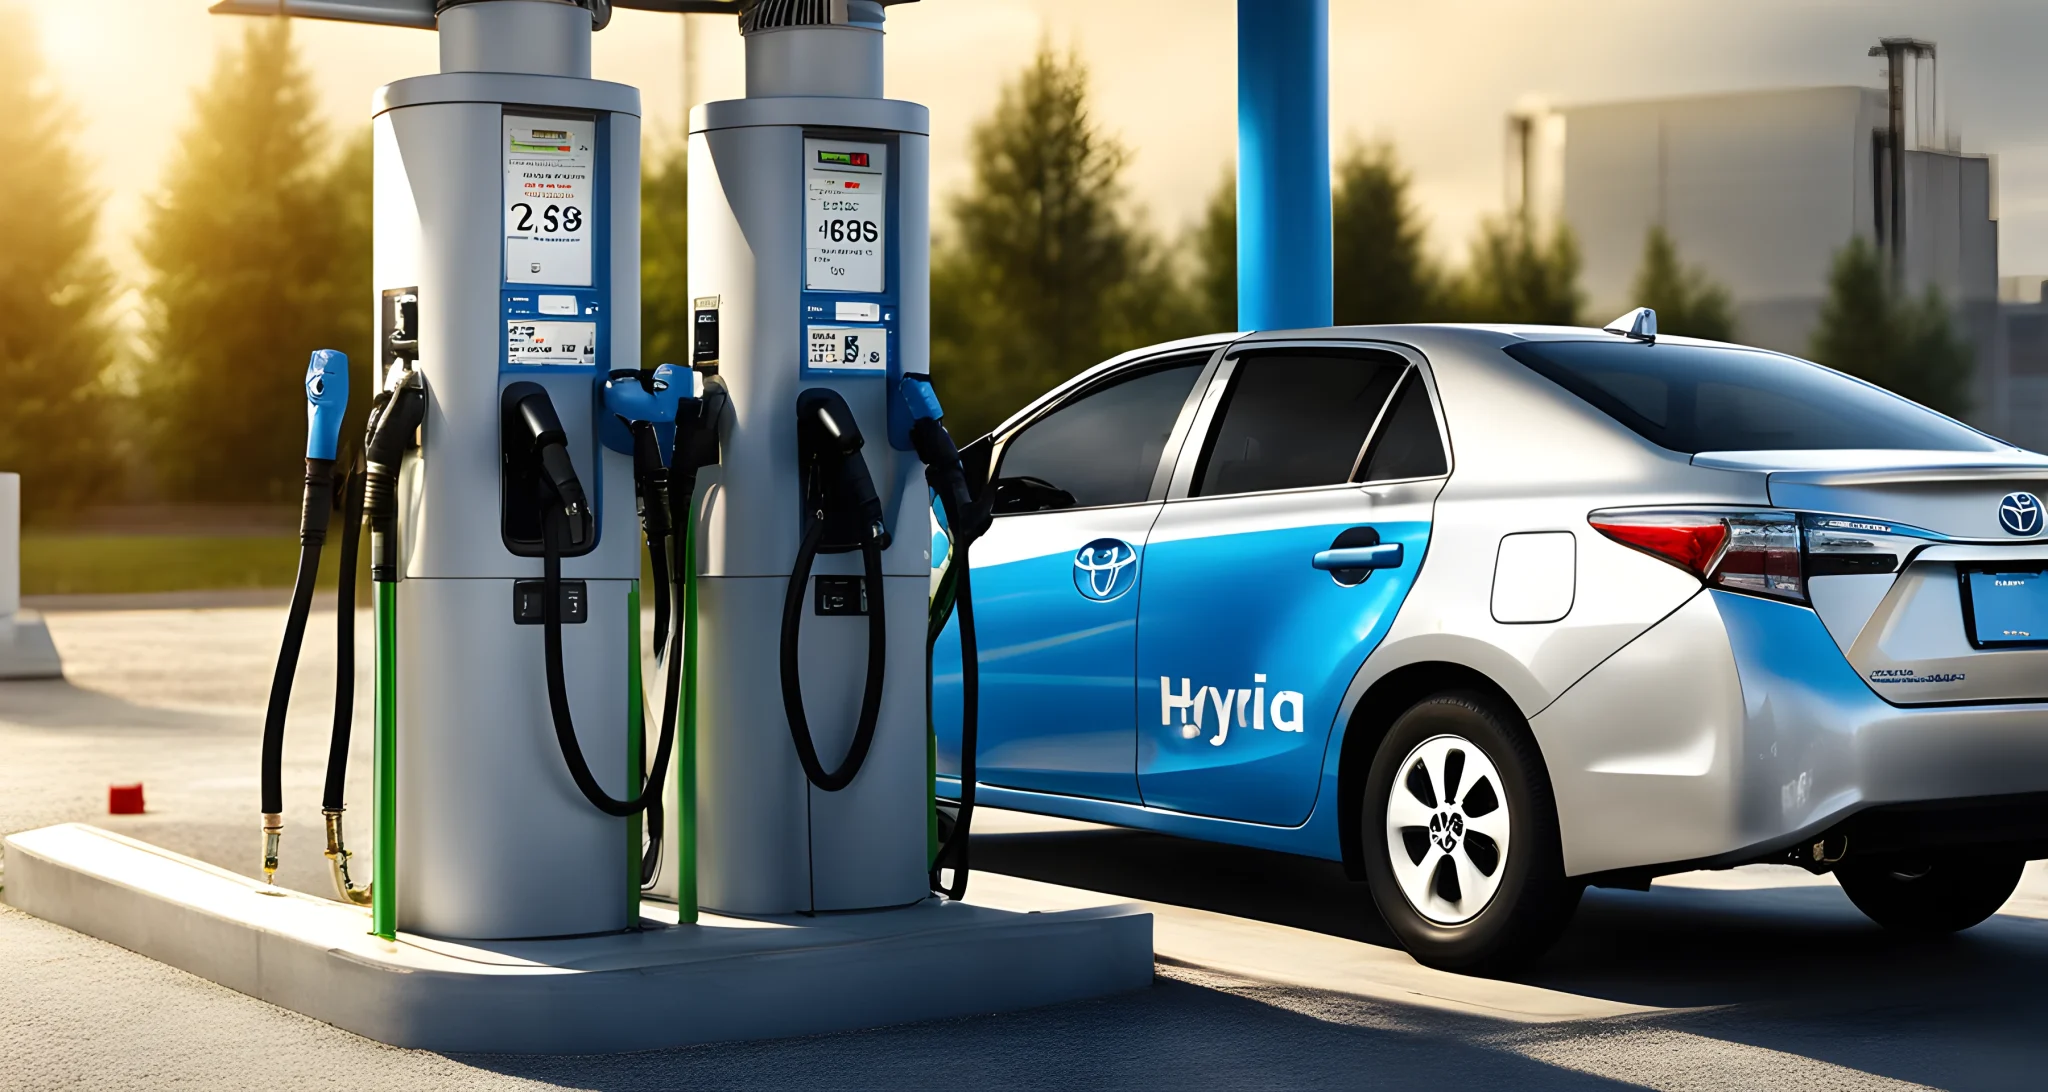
(395, 420)
(943, 469)
(326, 401)
(534, 436)
(837, 485)
(654, 406)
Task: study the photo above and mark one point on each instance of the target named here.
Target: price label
(849, 348)
(550, 168)
(845, 216)
(528, 342)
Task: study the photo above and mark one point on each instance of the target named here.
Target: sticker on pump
(848, 349)
(550, 165)
(550, 342)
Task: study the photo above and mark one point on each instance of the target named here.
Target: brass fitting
(273, 832)
(337, 861)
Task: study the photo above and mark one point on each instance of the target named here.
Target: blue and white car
(1490, 614)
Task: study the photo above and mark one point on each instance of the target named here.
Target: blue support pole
(1283, 164)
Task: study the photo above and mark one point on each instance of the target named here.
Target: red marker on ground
(124, 799)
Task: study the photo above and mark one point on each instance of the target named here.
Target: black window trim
(1199, 437)
(1211, 358)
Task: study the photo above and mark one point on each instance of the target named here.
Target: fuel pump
(809, 273)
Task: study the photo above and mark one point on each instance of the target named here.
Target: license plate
(2006, 608)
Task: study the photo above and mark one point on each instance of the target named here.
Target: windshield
(1694, 398)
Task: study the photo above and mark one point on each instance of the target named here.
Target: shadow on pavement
(1175, 1035)
(1300, 892)
(58, 703)
(1795, 969)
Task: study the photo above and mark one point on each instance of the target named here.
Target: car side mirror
(1025, 494)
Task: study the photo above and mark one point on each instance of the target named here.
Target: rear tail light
(1746, 550)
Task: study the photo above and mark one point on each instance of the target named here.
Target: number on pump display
(551, 217)
(835, 230)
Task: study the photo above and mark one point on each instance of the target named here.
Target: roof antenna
(1639, 325)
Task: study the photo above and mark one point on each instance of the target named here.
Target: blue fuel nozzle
(657, 400)
(919, 398)
(326, 401)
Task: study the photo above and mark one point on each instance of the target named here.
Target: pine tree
(665, 312)
(55, 342)
(1515, 275)
(1871, 329)
(1381, 274)
(259, 251)
(1688, 302)
(1043, 271)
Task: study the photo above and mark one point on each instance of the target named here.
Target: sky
(1435, 78)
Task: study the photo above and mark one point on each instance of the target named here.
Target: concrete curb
(724, 979)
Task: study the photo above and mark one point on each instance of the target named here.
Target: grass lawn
(63, 563)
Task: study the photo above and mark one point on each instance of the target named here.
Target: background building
(1762, 189)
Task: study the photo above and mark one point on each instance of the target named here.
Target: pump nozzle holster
(837, 487)
(537, 445)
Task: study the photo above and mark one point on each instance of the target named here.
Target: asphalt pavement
(1274, 971)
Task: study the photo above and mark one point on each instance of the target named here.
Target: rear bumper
(1735, 729)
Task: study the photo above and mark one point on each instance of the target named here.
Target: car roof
(1451, 344)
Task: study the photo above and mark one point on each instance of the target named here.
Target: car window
(1408, 444)
(1694, 398)
(1101, 448)
(1295, 419)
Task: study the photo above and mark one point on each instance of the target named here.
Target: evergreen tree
(665, 312)
(1212, 247)
(1043, 271)
(1871, 329)
(1381, 274)
(1514, 275)
(54, 290)
(1688, 302)
(258, 247)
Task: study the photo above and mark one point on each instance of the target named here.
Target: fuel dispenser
(512, 421)
(529, 784)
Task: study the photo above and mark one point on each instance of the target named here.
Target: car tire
(1946, 895)
(1458, 785)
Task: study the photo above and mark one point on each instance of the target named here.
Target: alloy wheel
(1447, 829)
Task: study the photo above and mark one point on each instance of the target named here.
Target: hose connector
(273, 833)
(337, 861)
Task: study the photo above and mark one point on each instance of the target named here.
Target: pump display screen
(846, 203)
(550, 172)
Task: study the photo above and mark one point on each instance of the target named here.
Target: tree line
(257, 248)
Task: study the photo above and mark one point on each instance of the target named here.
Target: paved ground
(1274, 973)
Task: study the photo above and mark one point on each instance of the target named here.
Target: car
(1491, 614)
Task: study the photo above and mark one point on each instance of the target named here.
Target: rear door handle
(1386, 555)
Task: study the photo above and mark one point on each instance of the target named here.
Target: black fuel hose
(966, 520)
(552, 532)
(792, 679)
(953, 852)
(313, 517)
(333, 794)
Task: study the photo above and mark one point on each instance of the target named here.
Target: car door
(1308, 455)
(1055, 586)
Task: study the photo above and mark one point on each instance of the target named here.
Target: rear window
(1694, 398)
